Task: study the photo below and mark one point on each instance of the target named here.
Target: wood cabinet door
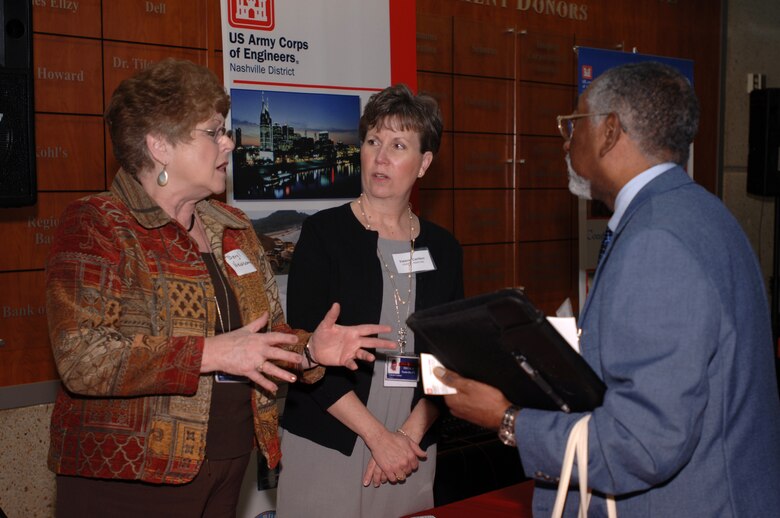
(483, 105)
(434, 43)
(483, 49)
(483, 161)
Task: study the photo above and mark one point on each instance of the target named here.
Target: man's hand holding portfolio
(473, 401)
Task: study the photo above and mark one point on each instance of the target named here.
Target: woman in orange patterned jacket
(165, 319)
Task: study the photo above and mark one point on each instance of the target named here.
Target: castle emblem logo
(587, 72)
(251, 14)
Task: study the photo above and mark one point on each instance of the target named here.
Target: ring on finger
(260, 367)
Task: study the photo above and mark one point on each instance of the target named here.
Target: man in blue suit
(676, 324)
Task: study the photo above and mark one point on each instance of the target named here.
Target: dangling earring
(162, 178)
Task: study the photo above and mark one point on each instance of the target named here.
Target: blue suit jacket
(677, 325)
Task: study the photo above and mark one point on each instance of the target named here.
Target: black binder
(503, 340)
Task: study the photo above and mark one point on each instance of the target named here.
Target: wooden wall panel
(215, 30)
(594, 16)
(26, 353)
(438, 86)
(544, 214)
(598, 43)
(434, 43)
(483, 161)
(539, 105)
(545, 269)
(436, 206)
(31, 229)
(489, 267)
(541, 163)
(81, 18)
(545, 58)
(440, 172)
(65, 152)
(165, 22)
(215, 63)
(68, 75)
(484, 216)
(483, 105)
(480, 49)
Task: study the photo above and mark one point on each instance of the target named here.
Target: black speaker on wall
(17, 133)
(763, 177)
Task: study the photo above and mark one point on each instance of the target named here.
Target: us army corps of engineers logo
(251, 14)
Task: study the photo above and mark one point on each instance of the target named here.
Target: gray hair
(656, 104)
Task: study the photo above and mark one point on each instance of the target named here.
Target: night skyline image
(292, 145)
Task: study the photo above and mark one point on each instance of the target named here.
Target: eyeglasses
(566, 122)
(216, 134)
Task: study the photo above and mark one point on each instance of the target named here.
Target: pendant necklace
(398, 300)
(401, 369)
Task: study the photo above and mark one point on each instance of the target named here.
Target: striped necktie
(605, 242)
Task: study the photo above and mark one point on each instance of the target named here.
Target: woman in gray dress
(361, 443)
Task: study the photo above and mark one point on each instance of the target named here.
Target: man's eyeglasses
(566, 122)
(216, 134)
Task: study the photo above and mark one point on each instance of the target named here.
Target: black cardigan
(335, 261)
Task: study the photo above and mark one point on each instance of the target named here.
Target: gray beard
(578, 186)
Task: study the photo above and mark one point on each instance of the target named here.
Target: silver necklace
(366, 219)
(398, 301)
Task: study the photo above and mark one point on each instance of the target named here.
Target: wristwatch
(506, 432)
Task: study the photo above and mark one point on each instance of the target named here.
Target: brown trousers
(213, 493)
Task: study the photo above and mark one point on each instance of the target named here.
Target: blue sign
(593, 62)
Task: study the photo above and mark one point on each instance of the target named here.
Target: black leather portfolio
(503, 340)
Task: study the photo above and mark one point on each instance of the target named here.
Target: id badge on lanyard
(402, 370)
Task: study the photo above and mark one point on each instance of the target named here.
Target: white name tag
(421, 261)
(239, 262)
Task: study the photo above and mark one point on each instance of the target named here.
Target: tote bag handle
(577, 447)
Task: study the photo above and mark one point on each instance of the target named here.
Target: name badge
(240, 263)
(421, 261)
(402, 371)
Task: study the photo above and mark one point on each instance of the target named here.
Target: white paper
(431, 384)
(567, 328)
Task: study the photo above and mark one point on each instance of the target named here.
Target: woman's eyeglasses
(216, 134)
